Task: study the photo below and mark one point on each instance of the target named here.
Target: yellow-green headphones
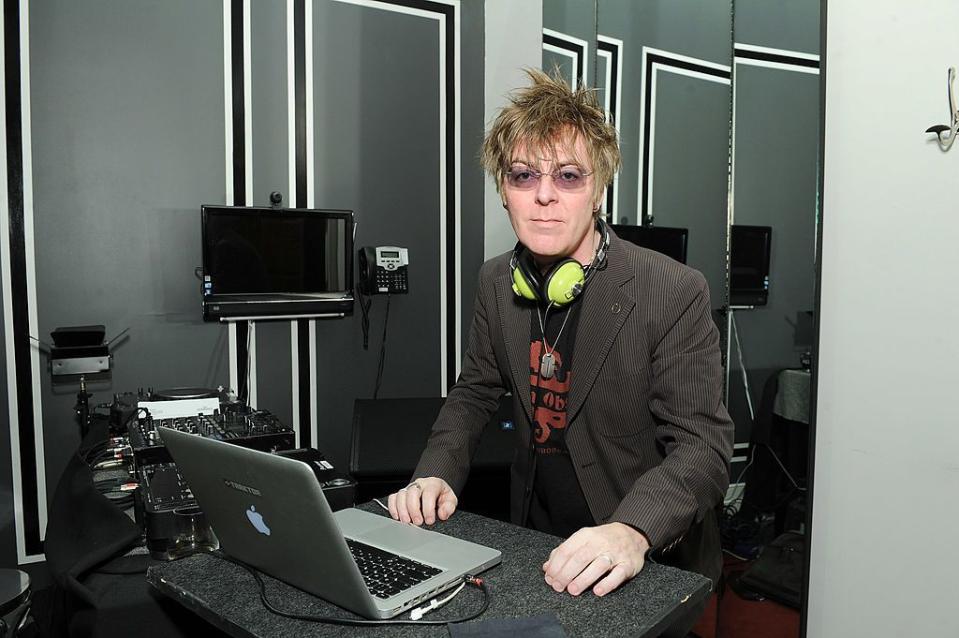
(563, 282)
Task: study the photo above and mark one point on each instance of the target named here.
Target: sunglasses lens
(522, 178)
(567, 178)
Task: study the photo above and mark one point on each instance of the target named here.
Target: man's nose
(545, 190)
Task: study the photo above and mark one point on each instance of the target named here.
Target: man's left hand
(615, 551)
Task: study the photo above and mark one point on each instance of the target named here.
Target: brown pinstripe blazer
(648, 435)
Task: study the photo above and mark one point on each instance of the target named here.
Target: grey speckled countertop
(227, 596)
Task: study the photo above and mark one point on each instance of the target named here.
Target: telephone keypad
(393, 282)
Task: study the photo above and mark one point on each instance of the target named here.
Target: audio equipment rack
(167, 512)
(164, 505)
(240, 425)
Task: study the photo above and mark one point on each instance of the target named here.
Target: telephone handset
(383, 270)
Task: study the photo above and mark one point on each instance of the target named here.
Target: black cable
(783, 467)
(122, 502)
(112, 482)
(365, 302)
(379, 368)
(101, 451)
(122, 572)
(95, 449)
(355, 622)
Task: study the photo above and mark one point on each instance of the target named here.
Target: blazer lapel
(605, 309)
(514, 325)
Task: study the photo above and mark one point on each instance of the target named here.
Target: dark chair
(390, 434)
(99, 586)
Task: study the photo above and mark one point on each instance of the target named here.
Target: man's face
(553, 220)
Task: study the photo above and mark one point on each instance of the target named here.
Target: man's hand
(616, 551)
(423, 501)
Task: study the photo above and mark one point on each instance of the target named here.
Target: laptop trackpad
(382, 531)
(397, 536)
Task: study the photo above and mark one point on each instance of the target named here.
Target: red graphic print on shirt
(548, 398)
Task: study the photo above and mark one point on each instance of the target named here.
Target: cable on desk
(357, 622)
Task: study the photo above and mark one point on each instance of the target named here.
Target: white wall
(885, 530)
(514, 41)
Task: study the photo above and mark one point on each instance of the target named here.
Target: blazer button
(615, 308)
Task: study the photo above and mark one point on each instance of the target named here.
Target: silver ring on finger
(607, 557)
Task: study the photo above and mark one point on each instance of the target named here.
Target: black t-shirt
(558, 505)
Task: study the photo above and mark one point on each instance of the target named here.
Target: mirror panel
(665, 65)
(774, 175)
(717, 106)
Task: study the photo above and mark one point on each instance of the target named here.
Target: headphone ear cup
(564, 282)
(526, 281)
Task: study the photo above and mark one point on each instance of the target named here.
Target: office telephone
(384, 270)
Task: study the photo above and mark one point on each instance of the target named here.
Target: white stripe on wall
(295, 376)
(228, 103)
(31, 263)
(612, 208)
(251, 364)
(6, 274)
(314, 427)
(247, 103)
(457, 203)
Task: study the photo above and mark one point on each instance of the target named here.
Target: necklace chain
(547, 364)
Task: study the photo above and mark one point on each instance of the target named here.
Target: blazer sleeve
(472, 400)
(693, 428)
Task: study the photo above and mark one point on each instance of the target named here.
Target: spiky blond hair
(548, 113)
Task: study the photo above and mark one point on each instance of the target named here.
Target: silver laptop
(270, 512)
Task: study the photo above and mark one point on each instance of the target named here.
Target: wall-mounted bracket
(946, 133)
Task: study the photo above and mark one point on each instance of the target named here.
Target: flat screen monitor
(261, 262)
(663, 239)
(749, 253)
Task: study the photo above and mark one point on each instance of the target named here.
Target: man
(624, 449)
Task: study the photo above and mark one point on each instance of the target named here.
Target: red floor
(730, 616)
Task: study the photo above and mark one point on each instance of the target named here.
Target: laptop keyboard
(385, 573)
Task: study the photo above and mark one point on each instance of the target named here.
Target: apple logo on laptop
(257, 520)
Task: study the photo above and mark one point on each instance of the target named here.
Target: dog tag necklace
(547, 363)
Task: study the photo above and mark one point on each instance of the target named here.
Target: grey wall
(780, 24)
(128, 140)
(378, 155)
(883, 550)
